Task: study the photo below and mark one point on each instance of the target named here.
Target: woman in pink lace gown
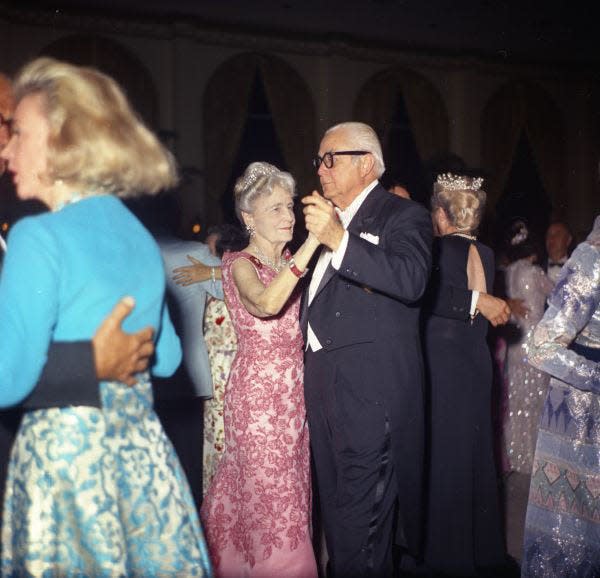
(257, 508)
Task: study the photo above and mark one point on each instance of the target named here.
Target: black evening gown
(464, 533)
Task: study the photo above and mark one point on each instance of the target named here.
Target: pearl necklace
(269, 262)
(470, 237)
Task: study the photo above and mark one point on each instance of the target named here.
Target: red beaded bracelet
(294, 269)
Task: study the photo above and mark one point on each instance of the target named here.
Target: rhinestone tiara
(459, 182)
(259, 170)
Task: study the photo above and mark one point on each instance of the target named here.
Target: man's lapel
(361, 222)
(365, 216)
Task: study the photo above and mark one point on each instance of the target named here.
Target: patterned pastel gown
(99, 492)
(221, 345)
(256, 513)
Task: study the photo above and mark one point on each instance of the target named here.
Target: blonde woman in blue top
(91, 491)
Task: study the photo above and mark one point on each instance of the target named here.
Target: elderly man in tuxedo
(363, 366)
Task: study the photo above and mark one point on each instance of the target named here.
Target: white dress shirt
(553, 270)
(334, 257)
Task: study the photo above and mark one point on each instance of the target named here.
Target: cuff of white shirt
(338, 255)
(474, 299)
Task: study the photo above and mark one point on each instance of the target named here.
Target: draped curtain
(225, 112)
(426, 111)
(518, 107)
(226, 109)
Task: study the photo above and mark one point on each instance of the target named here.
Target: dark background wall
(506, 90)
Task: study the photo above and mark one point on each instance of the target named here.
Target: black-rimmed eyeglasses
(327, 159)
(6, 122)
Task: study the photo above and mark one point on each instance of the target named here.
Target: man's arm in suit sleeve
(448, 301)
(458, 303)
(68, 378)
(400, 264)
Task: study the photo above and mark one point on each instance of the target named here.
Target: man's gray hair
(363, 137)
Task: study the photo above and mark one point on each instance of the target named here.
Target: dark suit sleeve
(400, 264)
(68, 378)
(448, 301)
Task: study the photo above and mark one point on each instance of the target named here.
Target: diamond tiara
(459, 182)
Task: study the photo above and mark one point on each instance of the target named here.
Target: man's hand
(518, 307)
(494, 309)
(322, 221)
(190, 274)
(119, 355)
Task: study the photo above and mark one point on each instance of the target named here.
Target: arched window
(410, 118)
(524, 194)
(523, 147)
(258, 143)
(255, 104)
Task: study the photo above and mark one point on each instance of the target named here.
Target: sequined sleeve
(573, 305)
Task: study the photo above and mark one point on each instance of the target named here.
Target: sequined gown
(221, 344)
(562, 528)
(526, 386)
(256, 511)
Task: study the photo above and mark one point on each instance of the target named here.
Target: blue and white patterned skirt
(99, 492)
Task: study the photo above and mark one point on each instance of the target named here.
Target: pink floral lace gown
(256, 513)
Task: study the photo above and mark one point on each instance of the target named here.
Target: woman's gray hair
(363, 137)
(259, 179)
(461, 199)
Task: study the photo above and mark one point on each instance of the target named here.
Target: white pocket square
(371, 238)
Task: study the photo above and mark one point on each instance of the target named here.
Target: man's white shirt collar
(346, 215)
(335, 258)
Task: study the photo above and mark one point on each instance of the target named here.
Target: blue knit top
(63, 273)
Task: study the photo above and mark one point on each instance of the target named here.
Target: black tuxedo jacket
(366, 316)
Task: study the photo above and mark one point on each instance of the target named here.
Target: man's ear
(367, 164)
